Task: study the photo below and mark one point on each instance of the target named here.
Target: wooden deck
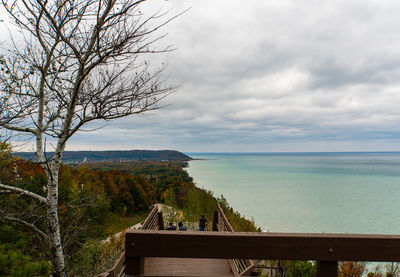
(186, 267)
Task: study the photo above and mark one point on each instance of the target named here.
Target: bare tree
(80, 61)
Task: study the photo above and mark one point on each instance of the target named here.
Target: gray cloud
(273, 76)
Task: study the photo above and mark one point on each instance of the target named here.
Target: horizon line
(226, 152)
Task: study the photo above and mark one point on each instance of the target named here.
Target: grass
(117, 223)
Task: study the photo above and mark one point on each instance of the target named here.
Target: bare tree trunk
(54, 234)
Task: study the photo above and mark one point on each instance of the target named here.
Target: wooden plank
(248, 271)
(160, 220)
(233, 267)
(186, 267)
(225, 221)
(149, 218)
(327, 269)
(270, 246)
(215, 221)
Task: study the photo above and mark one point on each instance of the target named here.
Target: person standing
(181, 227)
(202, 223)
(171, 227)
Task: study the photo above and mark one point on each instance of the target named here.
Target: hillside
(112, 156)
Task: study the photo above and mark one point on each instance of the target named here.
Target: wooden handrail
(223, 222)
(327, 249)
(118, 268)
(239, 267)
(154, 220)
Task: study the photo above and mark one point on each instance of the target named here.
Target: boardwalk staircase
(155, 266)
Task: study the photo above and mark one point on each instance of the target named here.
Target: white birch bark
(54, 233)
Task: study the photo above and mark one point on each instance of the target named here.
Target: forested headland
(113, 155)
(96, 200)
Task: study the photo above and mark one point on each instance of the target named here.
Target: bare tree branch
(25, 192)
(27, 224)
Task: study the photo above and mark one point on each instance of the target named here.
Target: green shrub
(96, 257)
(14, 263)
(301, 269)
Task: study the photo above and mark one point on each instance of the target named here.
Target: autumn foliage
(93, 199)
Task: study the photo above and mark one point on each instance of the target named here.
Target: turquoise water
(307, 192)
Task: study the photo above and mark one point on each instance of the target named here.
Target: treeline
(115, 155)
(175, 188)
(161, 176)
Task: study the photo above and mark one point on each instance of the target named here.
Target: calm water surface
(307, 192)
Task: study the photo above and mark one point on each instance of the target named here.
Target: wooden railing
(118, 269)
(239, 267)
(327, 249)
(154, 220)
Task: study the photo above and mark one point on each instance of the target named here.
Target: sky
(271, 76)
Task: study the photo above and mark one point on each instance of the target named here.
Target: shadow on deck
(186, 267)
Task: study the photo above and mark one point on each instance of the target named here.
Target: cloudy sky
(276, 75)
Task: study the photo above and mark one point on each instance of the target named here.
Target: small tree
(170, 198)
(170, 210)
(81, 61)
(352, 269)
(5, 152)
(192, 206)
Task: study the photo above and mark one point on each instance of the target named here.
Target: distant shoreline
(114, 156)
(197, 159)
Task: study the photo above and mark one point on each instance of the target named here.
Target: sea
(307, 192)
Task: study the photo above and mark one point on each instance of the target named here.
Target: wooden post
(160, 220)
(327, 269)
(215, 221)
(134, 266)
